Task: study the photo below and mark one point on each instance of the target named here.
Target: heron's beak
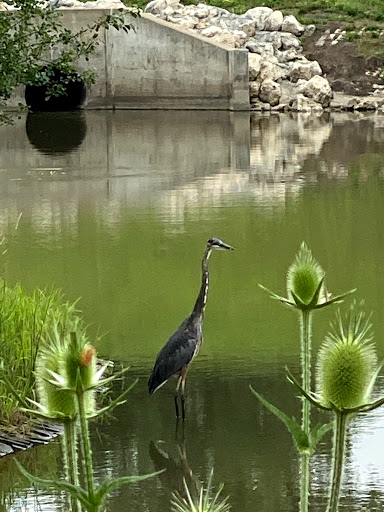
(228, 247)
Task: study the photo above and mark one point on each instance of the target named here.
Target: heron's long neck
(201, 300)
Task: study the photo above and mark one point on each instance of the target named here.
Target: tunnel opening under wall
(72, 97)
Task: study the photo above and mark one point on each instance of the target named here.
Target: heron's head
(216, 243)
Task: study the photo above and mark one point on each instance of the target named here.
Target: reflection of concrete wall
(177, 162)
(161, 66)
(183, 145)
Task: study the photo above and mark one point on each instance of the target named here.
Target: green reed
(25, 320)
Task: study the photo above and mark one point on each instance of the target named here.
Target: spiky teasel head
(57, 402)
(206, 500)
(80, 367)
(304, 277)
(347, 363)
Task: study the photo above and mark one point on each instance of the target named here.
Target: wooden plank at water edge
(32, 431)
(30, 434)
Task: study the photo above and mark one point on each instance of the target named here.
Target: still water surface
(116, 209)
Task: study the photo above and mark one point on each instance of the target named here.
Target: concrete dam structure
(159, 66)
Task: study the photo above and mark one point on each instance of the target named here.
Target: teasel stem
(71, 459)
(304, 482)
(86, 445)
(305, 349)
(338, 459)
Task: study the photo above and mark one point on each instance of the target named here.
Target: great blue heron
(184, 344)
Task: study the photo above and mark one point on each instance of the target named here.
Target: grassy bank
(26, 320)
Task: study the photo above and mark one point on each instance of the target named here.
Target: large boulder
(234, 39)
(254, 89)
(263, 37)
(274, 21)
(260, 48)
(270, 92)
(304, 70)
(286, 56)
(259, 14)
(157, 6)
(211, 31)
(269, 69)
(290, 24)
(254, 65)
(301, 103)
(201, 12)
(244, 23)
(319, 90)
(289, 41)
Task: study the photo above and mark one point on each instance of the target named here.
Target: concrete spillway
(160, 66)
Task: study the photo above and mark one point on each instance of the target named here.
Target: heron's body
(185, 343)
(177, 353)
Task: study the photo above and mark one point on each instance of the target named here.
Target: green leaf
(317, 433)
(277, 297)
(75, 492)
(118, 401)
(373, 380)
(315, 298)
(104, 382)
(110, 485)
(308, 396)
(335, 300)
(299, 436)
(299, 303)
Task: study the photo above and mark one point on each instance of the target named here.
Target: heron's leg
(183, 375)
(176, 394)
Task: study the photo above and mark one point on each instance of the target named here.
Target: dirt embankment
(341, 60)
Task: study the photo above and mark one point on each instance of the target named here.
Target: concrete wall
(160, 66)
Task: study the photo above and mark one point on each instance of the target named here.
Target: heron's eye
(210, 241)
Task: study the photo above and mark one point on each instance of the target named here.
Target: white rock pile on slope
(281, 77)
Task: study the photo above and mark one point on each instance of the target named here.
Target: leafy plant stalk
(86, 445)
(347, 370)
(338, 459)
(306, 292)
(71, 459)
(305, 353)
(67, 378)
(304, 481)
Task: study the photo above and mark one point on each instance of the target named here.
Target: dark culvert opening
(72, 99)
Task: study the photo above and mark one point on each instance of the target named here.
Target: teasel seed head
(80, 367)
(58, 402)
(304, 276)
(347, 363)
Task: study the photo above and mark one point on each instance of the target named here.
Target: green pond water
(116, 209)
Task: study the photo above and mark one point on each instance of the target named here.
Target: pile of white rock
(281, 77)
(74, 4)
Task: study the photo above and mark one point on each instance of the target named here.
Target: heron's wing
(176, 353)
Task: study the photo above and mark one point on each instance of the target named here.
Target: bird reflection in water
(177, 467)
